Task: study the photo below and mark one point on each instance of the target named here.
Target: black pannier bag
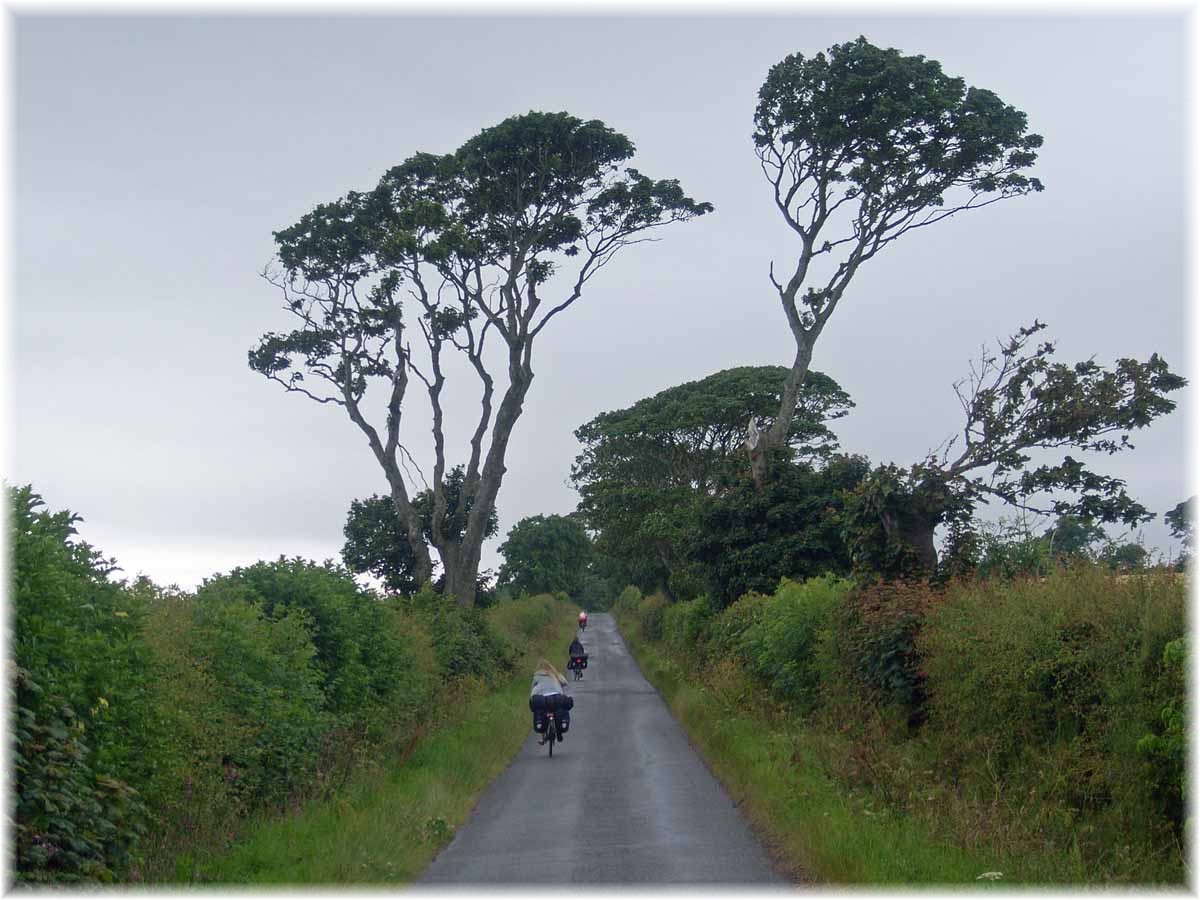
(558, 703)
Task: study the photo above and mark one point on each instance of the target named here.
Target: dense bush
(361, 660)
(464, 641)
(780, 645)
(1061, 675)
(1039, 712)
(685, 626)
(627, 601)
(874, 634)
(1165, 746)
(147, 720)
(650, 614)
(80, 702)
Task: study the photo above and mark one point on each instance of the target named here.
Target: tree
(377, 542)
(861, 146)
(545, 554)
(1018, 401)
(1126, 556)
(495, 239)
(1074, 538)
(644, 472)
(1181, 519)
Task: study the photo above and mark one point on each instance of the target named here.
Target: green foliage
(270, 681)
(1181, 519)
(80, 706)
(1074, 538)
(1165, 747)
(360, 658)
(650, 614)
(544, 554)
(644, 472)
(1124, 557)
(892, 132)
(627, 601)
(792, 527)
(685, 626)
(377, 541)
(1011, 550)
(465, 644)
(876, 629)
(597, 593)
(780, 645)
(1053, 672)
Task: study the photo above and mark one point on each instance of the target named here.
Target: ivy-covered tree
(377, 541)
(492, 241)
(861, 146)
(545, 554)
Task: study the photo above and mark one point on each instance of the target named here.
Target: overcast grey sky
(155, 155)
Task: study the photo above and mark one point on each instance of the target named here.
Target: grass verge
(773, 770)
(385, 826)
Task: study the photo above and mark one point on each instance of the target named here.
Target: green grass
(773, 769)
(386, 826)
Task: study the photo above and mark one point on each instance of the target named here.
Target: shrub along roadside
(151, 721)
(1032, 728)
(388, 822)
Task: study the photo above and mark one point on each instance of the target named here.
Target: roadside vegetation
(155, 728)
(1026, 731)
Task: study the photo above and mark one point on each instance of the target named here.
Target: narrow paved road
(625, 799)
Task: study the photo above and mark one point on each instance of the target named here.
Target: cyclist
(582, 620)
(577, 658)
(548, 693)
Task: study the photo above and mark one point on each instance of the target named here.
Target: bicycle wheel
(551, 733)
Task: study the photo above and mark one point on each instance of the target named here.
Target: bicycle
(551, 731)
(577, 664)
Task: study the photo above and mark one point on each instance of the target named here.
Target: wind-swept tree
(1017, 401)
(861, 146)
(490, 242)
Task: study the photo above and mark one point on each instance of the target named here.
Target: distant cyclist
(582, 620)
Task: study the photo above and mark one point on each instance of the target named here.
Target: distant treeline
(149, 720)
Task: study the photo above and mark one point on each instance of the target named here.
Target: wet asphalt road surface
(624, 800)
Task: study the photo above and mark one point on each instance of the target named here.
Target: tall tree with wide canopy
(493, 240)
(861, 146)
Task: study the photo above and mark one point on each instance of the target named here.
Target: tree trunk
(423, 562)
(462, 567)
(758, 439)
